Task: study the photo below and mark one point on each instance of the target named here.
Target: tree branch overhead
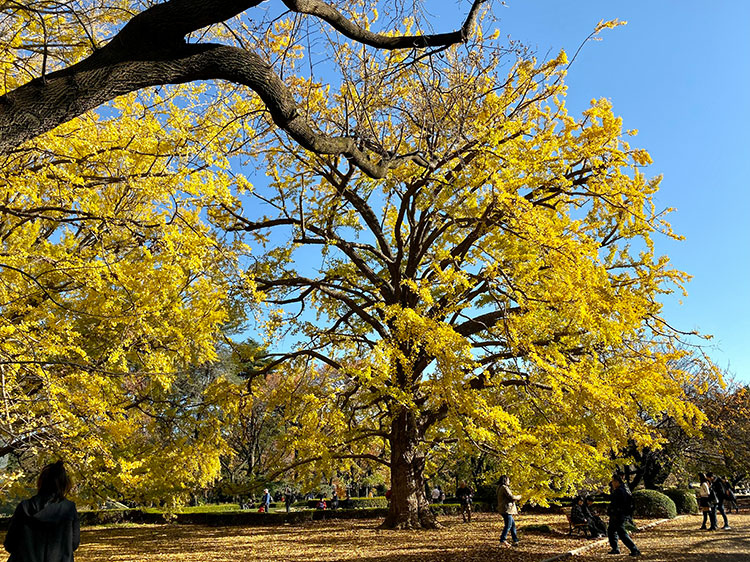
(151, 50)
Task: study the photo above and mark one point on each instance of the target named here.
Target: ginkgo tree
(111, 282)
(477, 282)
(500, 290)
(111, 286)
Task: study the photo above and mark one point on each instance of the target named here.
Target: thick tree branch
(150, 50)
(346, 27)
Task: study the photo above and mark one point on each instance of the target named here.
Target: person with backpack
(720, 491)
(620, 508)
(45, 528)
(265, 501)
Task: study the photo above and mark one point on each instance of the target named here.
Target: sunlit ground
(678, 540)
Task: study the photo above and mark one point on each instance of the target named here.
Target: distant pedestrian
(620, 508)
(45, 528)
(731, 498)
(265, 501)
(288, 498)
(436, 494)
(506, 506)
(334, 500)
(720, 491)
(464, 495)
(707, 502)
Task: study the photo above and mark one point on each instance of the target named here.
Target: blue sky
(679, 72)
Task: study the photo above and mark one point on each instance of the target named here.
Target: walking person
(334, 499)
(45, 528)
(731, 498)
(720, 491)
(464, 495)
(265, 501)
(506, 506)
(288, 498)
(620, 508)
(706, 498)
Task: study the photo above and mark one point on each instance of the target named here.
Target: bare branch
(346, 27)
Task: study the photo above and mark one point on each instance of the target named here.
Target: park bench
(576, 528)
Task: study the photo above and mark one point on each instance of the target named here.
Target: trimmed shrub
(455, 508)
(650, 503)
(354, 503)
(684, 500)
(358, 503)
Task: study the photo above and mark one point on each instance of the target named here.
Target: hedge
(684, 500)
(353, 503)
(249, 518)
(650, 503)
(455, 508)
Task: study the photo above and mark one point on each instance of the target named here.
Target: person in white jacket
(706, 497)
(506, 506)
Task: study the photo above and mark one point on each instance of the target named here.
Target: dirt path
(682, 541)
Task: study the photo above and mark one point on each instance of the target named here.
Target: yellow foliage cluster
(111, 286)
(502, 284)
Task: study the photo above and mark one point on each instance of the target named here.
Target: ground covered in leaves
(335, 541)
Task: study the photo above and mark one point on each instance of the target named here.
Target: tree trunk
(409, 507)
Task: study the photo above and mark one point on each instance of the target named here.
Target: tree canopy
(112, 283)
(452, 257)
(501, 294)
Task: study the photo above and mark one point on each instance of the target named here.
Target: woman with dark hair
(506, 505)
(45, 527)
(706, 498)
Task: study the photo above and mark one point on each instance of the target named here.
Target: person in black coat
(580, 515)
(595, 522)
(620, 508)
(720, 491)
(464, 495)
(45, 528)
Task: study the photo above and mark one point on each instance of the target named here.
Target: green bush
(455, 508)
(354, 503)
(446, 508)
(684, 500)
(650, 503)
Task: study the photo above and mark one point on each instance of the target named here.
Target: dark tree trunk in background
(409, 507)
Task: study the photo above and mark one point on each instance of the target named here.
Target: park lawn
(344, 540)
